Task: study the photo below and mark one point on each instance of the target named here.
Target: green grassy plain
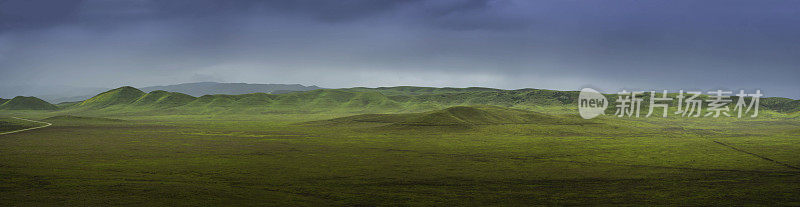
(305, 159)
(8, 124)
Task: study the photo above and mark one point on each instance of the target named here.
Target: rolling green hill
(478, 115)
(783, 105)
(2, 101)
(402, 99)
(213, 101)
(454, 116)
(119, 96)
(163, 99)
(27, 103)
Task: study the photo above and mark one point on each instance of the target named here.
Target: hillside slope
(119, 96)
(453, 116)
(783, 105)
(163, 99)
(27, 103)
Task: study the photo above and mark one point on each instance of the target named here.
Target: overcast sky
(509, 44)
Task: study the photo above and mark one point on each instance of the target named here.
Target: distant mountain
(27, 103)
(212, 88)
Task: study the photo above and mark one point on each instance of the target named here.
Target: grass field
(12, 125)
(303, 160)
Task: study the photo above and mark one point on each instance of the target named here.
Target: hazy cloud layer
(506, 44)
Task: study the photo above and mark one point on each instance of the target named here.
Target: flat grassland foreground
(473, 158)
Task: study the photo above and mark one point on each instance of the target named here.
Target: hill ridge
(402, 99)
(27, 103)
(163, 99)
(121, 95)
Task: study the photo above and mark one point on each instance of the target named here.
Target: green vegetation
(163, 99)
(11, 124)
(119, 96)
(783, 105)
(27, 103)
(63, 120)
(390, 146)
(404, 99)
(457, 116)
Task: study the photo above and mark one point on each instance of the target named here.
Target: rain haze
(67, 46)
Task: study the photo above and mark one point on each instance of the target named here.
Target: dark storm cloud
(494, 43)
(35, 13)
(39, 13)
